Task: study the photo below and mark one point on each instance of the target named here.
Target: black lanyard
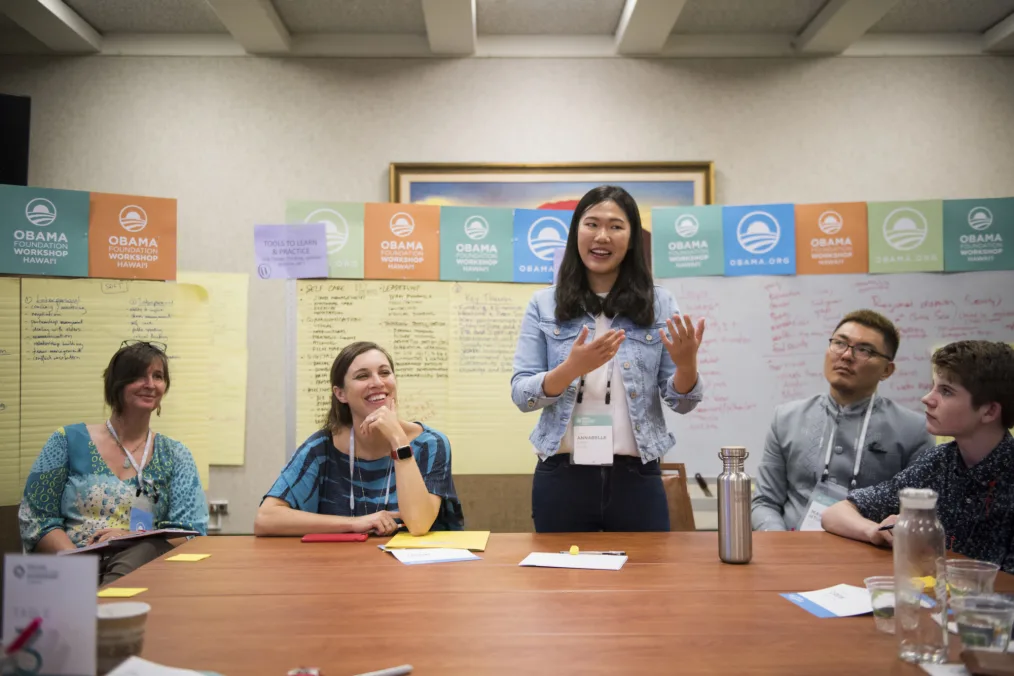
(609, 386)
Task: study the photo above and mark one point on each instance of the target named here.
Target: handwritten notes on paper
(409, 319)
(227, 362)
(10, 390)
(71, 328)
(486, 429)
(453, 347)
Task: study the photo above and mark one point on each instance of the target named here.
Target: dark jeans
(628, 496)
(114, 566)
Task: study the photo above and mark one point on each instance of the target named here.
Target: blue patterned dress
(72, 488)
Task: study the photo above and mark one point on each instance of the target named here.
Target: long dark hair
(633, 294)
(340, 414)
(129, 364)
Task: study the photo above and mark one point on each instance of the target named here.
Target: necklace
(128, 460)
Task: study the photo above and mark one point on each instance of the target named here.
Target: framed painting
(552, 186)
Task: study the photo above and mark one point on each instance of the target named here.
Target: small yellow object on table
(574, 549)
(121, 592)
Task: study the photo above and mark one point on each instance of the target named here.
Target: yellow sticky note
(472, 540)
(121, 592)
(188, 558)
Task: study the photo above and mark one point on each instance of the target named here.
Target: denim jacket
(645, 364)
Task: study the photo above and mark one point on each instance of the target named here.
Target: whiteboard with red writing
(766, 338)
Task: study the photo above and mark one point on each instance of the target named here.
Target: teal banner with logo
(979, 234)
(687, 241)
(43, 231)
(476, 244)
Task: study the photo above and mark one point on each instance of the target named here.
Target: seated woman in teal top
(88, 476)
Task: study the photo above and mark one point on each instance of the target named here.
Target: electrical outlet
(218, 507)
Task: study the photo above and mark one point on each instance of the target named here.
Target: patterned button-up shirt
(975, 504)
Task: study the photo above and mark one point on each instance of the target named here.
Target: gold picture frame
(553, 185)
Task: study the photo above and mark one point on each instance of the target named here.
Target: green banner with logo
(43, 231)
(979, 234)
(906, 236)
(476, 244)
(343, 224)
(687, 241)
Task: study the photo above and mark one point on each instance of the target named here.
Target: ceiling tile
(352, 16)
(148, 16)
(747, 16)
(944, 16)
(545, 17)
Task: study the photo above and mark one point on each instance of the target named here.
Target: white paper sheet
(841, 600)
(583, 561)
(412, 557)
(135, 666)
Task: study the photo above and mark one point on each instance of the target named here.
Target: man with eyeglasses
(821, 447)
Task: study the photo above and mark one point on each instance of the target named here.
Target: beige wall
(233, 138)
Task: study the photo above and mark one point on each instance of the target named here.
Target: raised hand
(683, 340)
(586, 357)
(384, 421)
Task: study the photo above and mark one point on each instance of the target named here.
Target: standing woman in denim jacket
(604, 346)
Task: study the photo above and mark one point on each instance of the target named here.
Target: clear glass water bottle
(735, 535)
(920, 578)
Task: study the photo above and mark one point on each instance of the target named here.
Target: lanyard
(609, 386)
(133, 463)
(352, 485)
(609, 377)
(859, 445)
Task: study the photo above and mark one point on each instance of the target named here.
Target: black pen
(891, 527)
(703, 484)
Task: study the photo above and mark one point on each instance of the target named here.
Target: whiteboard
(766, 338)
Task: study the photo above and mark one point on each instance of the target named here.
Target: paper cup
(120, 633)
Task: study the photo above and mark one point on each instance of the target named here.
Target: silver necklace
(126, 460)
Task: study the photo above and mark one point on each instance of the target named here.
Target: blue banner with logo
(538, 235)
(759, 240)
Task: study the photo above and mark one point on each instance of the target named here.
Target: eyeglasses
(161, 347)
(860, 352)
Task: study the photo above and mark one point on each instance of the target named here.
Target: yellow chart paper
(71, 328)
(453, 347)
(488, 434)
(227, 363)
(10, 391)
(409, 319)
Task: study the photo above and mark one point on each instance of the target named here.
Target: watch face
(404, 452)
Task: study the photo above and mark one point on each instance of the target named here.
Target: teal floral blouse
(71, 487)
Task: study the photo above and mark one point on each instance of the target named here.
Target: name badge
(593, 436)
(141, 517)
(824, 495)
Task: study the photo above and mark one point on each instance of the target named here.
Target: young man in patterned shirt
(972, 400)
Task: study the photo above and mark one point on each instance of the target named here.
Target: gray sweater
(795, 447)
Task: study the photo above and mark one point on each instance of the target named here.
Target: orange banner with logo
(131, 237)
(402, 241)
(831, 239)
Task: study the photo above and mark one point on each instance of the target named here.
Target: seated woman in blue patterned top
(91, 479)
(366, 467)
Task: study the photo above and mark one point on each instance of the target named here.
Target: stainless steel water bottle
(735, 537)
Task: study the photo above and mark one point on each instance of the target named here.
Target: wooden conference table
(265, 606)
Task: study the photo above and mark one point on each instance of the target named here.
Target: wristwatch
(402, 453)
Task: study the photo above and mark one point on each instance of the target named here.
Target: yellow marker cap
(574, 549)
